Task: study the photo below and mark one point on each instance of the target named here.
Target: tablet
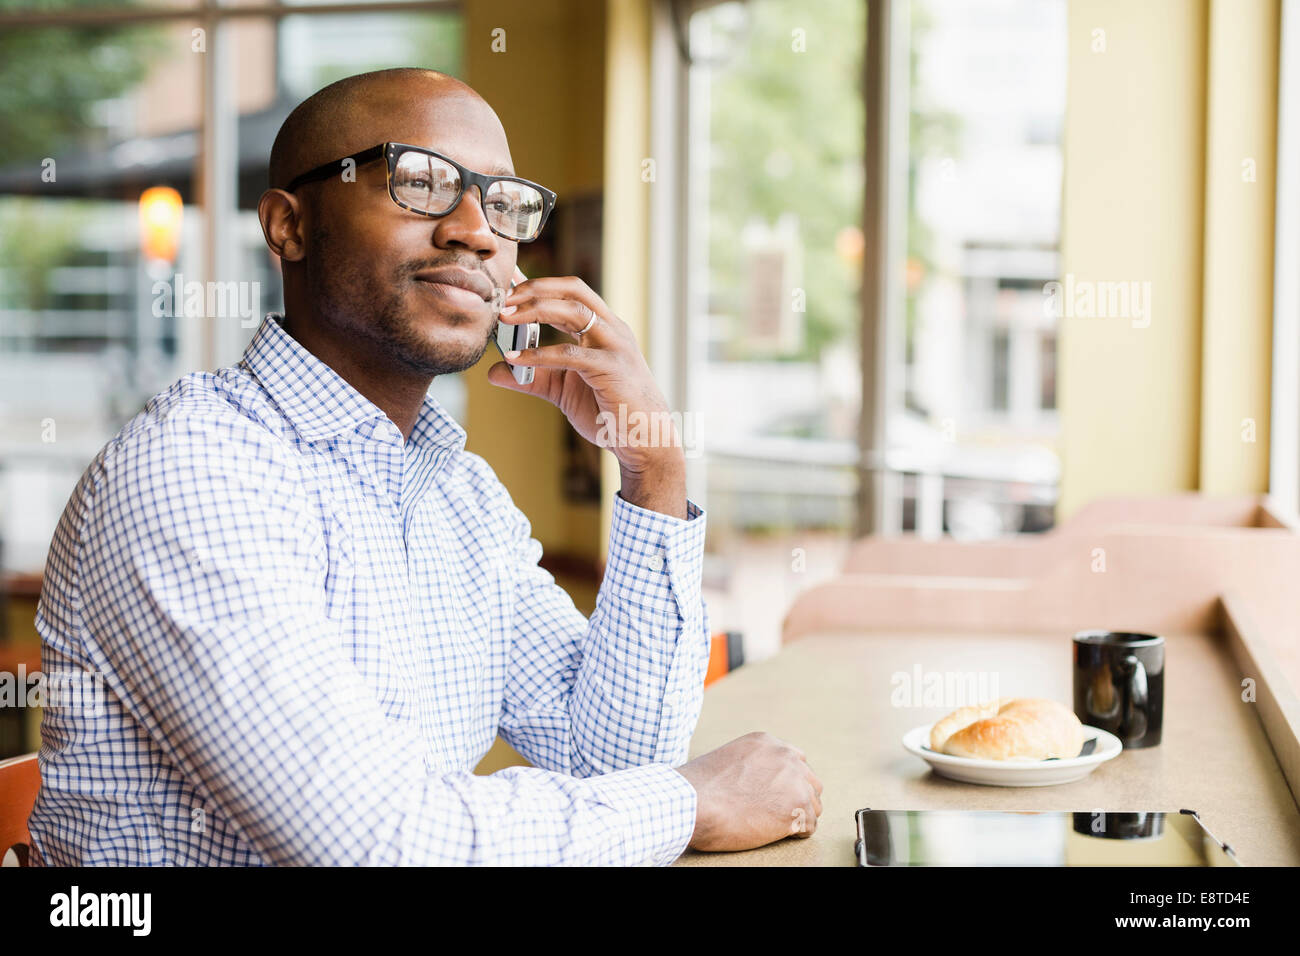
(1052, 838)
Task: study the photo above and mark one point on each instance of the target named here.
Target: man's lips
(475, 282)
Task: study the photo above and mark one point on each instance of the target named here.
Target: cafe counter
(846, 700)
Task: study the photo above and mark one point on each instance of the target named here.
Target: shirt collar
(320, 403)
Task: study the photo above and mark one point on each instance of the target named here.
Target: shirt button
(656, 562)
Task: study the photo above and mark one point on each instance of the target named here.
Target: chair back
(20, 779)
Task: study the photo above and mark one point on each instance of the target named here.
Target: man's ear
(280, 213)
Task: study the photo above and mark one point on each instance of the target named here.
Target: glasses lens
(425, 183)
(515, 209)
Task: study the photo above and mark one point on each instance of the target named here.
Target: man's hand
(751, 792)
(600, 381)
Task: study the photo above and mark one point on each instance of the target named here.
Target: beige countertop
(831, 695)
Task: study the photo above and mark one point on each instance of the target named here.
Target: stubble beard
(365, 310)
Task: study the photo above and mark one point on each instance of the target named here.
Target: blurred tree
(36, 235)
(786, 136)
(51, 78)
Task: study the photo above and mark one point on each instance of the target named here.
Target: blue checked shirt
(308, 632)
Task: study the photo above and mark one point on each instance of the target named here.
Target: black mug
(1120, 826)
(1119, 684)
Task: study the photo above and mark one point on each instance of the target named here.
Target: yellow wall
(548, 89)
(625, 251)
(1240, 178)
(1158, 124)
(1133, 207)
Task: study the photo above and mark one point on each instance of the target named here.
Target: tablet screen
(1054, 838)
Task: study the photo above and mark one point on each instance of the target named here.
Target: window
(983, 179)
(774, 218)
(776, 172)
(133, 150)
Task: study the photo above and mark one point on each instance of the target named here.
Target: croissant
(1009, 728)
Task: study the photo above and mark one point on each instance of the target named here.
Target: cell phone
(525, 336)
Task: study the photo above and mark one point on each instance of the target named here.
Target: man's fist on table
(751, 792)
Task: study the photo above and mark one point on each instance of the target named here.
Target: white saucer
(1018, 772)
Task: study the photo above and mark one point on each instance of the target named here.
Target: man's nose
(466, 225)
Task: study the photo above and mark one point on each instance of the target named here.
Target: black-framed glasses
(431, 184)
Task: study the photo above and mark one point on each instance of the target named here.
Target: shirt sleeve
(623, 689)
(203, 571)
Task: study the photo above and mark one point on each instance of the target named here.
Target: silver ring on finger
(587, 327)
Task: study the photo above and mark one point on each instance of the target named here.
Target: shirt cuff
(656, 560)
(659, 805)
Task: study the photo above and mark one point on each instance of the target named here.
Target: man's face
(364, 252)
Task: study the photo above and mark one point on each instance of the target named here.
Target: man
(312, 610)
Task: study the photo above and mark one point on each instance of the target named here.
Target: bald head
(355, 113)
(359, 269)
